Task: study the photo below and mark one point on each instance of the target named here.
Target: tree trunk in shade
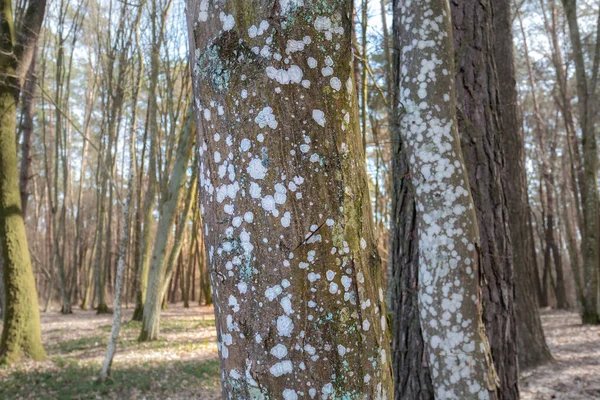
(587, 120)
(411, 375)
(531, 342)
(286, 216)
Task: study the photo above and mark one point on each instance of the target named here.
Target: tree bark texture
(288, 233)
(451, 256)
(21, 332)
(480, 120)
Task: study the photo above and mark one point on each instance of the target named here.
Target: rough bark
(591, 205)
(451, 256)
(531, 342)
(411, 374)
(479, 124)
(287, 220)
(21, 332)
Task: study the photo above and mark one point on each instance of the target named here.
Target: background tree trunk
(591, 213)
(531, 342)
(158, 265)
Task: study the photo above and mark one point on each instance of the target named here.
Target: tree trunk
(181, 226)
(591, 205)
(116, 326)
(21, 332)
(27, 112)
(411, 373)
(158, 266)
(287, 219)
(452, 260)
(158, 28)
(531, 342)
(480, 127)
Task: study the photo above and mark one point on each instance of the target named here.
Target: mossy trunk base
(103, 309)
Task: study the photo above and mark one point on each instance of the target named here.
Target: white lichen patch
(319, 117)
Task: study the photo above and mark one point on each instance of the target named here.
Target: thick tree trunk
(479, 125)
(287, 219)
(531, 342)
(411, 374)
(450, 251)
(21, 332)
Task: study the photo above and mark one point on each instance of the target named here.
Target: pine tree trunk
(412, 377)
(411, 374)
(480, 120)
(531, 343)
(286, 214)
(591, 213)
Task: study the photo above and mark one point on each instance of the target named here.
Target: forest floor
(183, 363)
(575, 372)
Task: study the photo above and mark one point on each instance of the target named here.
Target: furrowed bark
(531, 342)
(591, 205)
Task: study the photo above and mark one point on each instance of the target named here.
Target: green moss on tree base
(103, 309)
(138, 313)
(590, 319)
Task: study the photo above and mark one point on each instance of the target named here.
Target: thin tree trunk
(157, 271)
(591, 205)
(116, 326)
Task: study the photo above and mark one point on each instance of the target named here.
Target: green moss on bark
(22, 333)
